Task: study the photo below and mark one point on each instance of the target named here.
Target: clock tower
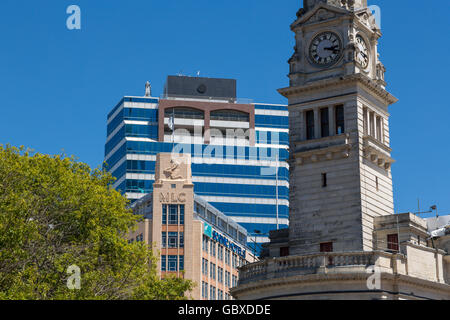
(340, 154)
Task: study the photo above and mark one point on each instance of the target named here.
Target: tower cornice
(355, 79)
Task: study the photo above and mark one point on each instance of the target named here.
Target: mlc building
(239, 149)
(190, 237)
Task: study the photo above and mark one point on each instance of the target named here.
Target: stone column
(332, 120)
(372, 131)
(366, 122)
(316, 124)
(302, 128)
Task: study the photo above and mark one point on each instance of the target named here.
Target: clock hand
(334, 49)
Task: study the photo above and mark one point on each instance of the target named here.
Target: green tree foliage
(56, 212)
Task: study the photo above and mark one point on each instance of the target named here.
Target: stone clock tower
(339, 129)
(344, 240)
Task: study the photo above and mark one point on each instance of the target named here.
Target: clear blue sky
(57, 86)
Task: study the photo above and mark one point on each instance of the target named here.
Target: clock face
(325, 49)
(362, 56)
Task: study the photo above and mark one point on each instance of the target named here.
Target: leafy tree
(56, 212)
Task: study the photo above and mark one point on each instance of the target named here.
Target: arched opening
(230, 115)
(184, 125)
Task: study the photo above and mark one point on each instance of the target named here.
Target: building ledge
(377, 152)
(345, 267)
(323, 149)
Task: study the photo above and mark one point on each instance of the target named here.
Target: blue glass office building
(237, 175)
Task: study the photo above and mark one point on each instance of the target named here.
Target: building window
(392, 242)
(284, 251)
(163, 263)
(324, 180)
(340, 121)
(212, 218)
(205, 267)
(227, 279)
(220, 252)
(220, 275)
(172, 263)
(326, 247)
(212, 293)
(212, 271)
(379, 131)
(170, 214)
(205, 243)
(164, 240)
(182, 214)
(233, 232)
(200, 210)
(230, 115)
(212, 248)
(181, 263)
(204, 290)
(377, 185)
(310, 125)
(184, 113)
(234, 281)
(164, 214)
(227, 257)
(173, 214)
(172, 240)
(324, 122)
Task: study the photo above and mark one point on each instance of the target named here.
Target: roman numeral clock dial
(363, 53)
(325, 49)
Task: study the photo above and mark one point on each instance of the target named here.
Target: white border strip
(211, 199)
(258, 239)
(197, 160)
(271, 130)
(212, 179)
(117, 147)
(135, 105)
(277, 113)
(261, 220)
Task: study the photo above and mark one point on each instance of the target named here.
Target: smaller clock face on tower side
(362, 56)
(325, 49)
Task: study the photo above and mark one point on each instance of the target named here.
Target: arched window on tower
(340, 119)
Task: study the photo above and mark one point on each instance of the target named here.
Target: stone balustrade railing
(310, 264)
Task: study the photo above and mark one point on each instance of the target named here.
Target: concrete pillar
(332, 120)
(302, 132)
(366, 122)
(316, 124)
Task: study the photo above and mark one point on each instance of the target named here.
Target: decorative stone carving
(381, 70)
(148, 89)
(171, 172)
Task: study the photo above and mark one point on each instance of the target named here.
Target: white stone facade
(344, 241)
